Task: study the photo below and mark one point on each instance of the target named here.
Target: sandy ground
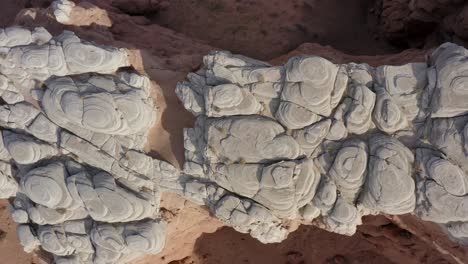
(167, 44)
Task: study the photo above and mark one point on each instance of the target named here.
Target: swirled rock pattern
(326, 144)
(309, 142)
(71, 149)
(29, 58)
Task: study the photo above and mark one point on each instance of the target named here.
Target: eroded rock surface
(326, 144)
(267, 159)
(72, 142)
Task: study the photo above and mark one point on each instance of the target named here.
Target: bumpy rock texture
(327, 144)
(167, 57)
(72, 143)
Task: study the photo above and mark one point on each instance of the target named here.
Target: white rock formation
(326, 144)
(62, 10)
(390, 187)
(18, 36)
(32, 58)
(71, 149)
(309, 141)
(450, 91)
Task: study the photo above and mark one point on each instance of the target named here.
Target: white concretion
(305, 140)
(390, 187)
(18, 36)
(406, 84)
(120, 243)
(357, 118)
(293, 116)
(443, 185)
(309, 83)
(98, 104)
(46, 186)
(66, 239)
(309, 138)
(83, 241)
(343, 218)
(26, 238)
(60, 56)
(8, 185)
(25, 149)
(228, 100)
(8, 91)
(62, 10)
(283, 187)
(248, 139)
(387, 114)
(349, 169)
(450, 94)
(249, 217)
(107, 202)
(73, 159)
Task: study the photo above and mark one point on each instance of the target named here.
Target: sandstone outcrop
(327, 144)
